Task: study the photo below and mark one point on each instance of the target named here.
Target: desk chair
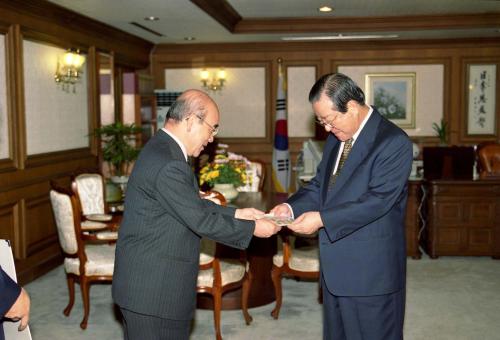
(84, 263)
(219, 275)
(300, 262)
(96, 221)
(489, 160)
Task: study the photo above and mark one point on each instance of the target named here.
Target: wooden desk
(463, 218)
(260, 257)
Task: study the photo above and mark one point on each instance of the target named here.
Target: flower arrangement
(224, 170)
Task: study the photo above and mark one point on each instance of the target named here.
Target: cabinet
(463, 218)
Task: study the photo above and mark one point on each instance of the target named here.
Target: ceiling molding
(363, 24)
(48, 12)
(282, 46)
(221, 11)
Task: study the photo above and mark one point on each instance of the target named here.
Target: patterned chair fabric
(91, 193)
(292, 261)
(63, 213)
(304, 259)
(98, 260)
(89, 225)
(231, 271)
(218, 275)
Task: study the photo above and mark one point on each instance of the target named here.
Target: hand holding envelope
(263, 227)
(307, 223)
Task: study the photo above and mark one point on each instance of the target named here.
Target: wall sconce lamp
(213, 81)
(69, 71)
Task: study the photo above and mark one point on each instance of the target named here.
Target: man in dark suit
(157, 252)
(357, 200)
(14, 302)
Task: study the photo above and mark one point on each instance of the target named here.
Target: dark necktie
(343, 157)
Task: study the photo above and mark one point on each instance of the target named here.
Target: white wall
(242, 101)
(429, 91)
(55, 120)
(300, 79)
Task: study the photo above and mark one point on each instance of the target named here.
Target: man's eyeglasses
(324, 123)
(214, 129)
(320, 122)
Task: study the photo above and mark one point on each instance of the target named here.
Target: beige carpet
(454, 298)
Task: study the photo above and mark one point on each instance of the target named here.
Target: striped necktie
(343, 157)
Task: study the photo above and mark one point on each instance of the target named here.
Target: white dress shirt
(183, 148)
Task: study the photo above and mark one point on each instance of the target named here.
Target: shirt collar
(183, 148)
(363, 123)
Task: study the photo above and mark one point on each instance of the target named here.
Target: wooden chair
(219, 275)
(489, 161)
(84, 263)
(300, 262)
(97, 223)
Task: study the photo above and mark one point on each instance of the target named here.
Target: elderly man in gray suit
(157, 252)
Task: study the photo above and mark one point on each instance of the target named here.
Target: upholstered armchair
(489, 161)
(83, 263)
(219, 275)
(300, 262)
(96, 223)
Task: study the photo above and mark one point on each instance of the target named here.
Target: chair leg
(247, 283)
(85, 288)
(276, 276)
(217, 294)
(71, 291)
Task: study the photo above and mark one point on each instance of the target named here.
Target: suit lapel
(358, 153)
(329, 167)
(176, 152)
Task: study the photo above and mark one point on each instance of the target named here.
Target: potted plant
(441, 131)
(118, 148)
(224, 175)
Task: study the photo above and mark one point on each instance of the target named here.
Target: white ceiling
(182, 18)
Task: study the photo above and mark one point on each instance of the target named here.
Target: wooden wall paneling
(463, 83)
(44, 173)
(40, 227)
(332, 54)
(25, 211)
(93, 97)
(15, 97)
(360, 24)
(7, 163)
(42, 20)
(9, 220)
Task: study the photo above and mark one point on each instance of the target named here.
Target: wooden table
(260, 256)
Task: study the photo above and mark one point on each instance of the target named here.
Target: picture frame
(481, 95)
(394, 96)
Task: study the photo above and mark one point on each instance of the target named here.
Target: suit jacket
(362, 244)
(157, 252)
(9, 292)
